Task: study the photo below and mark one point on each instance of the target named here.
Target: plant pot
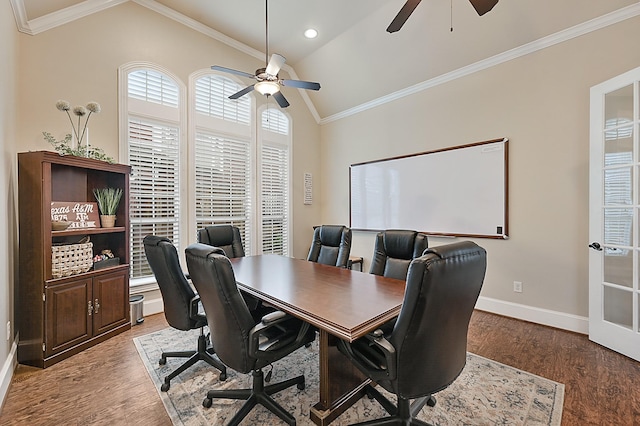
(108, 221)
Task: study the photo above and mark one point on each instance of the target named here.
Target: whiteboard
(458, 191)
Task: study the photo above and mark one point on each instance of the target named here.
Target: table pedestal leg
(341, 383)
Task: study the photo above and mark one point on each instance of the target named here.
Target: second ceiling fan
(481, 6)
(268, 82)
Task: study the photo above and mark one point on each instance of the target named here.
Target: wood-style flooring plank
(108, 384)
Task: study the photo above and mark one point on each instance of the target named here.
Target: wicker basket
(71, 259)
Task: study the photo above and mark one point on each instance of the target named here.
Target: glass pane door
(614, 260)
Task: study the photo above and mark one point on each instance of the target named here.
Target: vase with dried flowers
(80, 133)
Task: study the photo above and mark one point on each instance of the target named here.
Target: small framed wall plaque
(81, 214)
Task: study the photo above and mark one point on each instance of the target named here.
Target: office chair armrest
(273, 317)
(372, 354)
(271, 339)
(194, 308)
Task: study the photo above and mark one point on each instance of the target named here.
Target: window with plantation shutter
(155, 187)
(274, 187)
(153, 86)
(225, 167)
(212, 99)
(153, 138)
(224, 153)
(223, 183)
(275, 121)
(274, 182)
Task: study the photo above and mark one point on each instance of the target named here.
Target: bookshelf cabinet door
(110, 301)
(68, 315)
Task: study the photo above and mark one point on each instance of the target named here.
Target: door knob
(596, 246)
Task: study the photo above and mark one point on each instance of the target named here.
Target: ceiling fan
(268, 82)
(481, 6)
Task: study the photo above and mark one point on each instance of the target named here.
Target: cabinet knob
(97, 306)
(89, 308)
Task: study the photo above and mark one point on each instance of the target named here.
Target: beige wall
(541, 103)
(78, 62)
(8, 202)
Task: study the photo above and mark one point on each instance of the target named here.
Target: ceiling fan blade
(280, 99)
(301, 84)
(483, 6)
(242, 92)
(232, 71)
(275, 63)
(402, 16)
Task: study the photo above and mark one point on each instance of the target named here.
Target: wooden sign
(81, 214)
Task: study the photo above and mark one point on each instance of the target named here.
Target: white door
(614, 215)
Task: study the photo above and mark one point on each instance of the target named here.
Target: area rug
(485, 393)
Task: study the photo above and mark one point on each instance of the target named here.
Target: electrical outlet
(8, 330)
(517, 286)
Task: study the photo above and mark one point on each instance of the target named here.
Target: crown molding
(87, 7)
(595, 24)
(46, 22)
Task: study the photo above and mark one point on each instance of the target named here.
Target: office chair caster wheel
(301, 386)
(431, 402)
(223, 376)
(165, 387)
(162, 361)
(207, 403)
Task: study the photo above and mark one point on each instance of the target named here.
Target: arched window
(230, 165)
(153, 137)
(275, 182)
(223, 156)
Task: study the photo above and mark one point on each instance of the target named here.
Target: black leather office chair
(180, 305)
(226, 237)
(427, 349)
(331, 245)
(394, 250)
(243, 343)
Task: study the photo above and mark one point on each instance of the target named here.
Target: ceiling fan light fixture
(267, 87)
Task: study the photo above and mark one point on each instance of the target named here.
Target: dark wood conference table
(341, 303)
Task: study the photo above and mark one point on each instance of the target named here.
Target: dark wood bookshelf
(58, 317)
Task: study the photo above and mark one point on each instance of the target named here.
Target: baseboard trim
(152, 306)
(541, 316)
(6, 374)
(547, 317)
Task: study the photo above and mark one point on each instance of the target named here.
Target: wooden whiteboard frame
(441, 206)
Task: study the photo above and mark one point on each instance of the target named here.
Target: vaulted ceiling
(357, 62)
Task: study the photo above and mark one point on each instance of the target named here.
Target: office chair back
(230, 320)
(394, 250)
(176, 291)
(226, 237)
(430, 335)
(331, 245)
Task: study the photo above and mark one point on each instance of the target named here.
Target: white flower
(80, 111)
(63, 105)
(93, 107)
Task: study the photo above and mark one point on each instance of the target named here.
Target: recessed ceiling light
(310, 33)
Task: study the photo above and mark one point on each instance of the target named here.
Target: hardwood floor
(108, 384)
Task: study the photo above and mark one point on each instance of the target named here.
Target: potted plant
(108, 200)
